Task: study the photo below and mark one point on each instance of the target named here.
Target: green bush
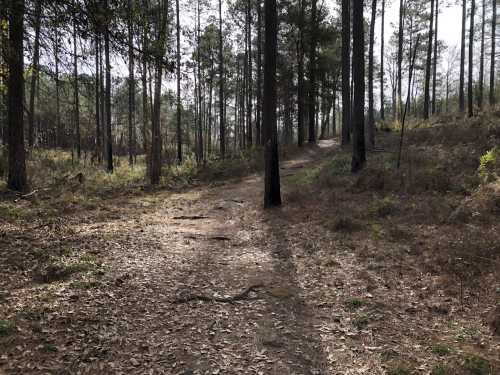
(489, 166)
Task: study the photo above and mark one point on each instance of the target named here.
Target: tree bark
(131, 87)
(493, 43)
(428, 64)
(434, 69)
(272, 195)
(98, 146)
(16, 179)
(481, 59)
(358, 73)
(461, 93)
(346, 73)
(76, 89)
(382, 42)
(258, 125)
(300, 78)
(400, 58)
(34, 73)
(178, 73)
(249, 77)
(222, 125)
(109, 139)
(470, 88)
(371, 117)
(312, 74)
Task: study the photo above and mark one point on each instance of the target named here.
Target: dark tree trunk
(346, 74)
(371, 117)
(145, 102)
(461, 92)
(59, 130)
(428, 65)
(199, 146)
(34, 73)
(358, 73)
(15, 85)
(382, 26)
(98, 145)
(400, 59)
(249, 77)
(434, 69)
(222, 125)
(178, 73)
(312, 75)
(131, 87)
(258, 125)
(470, 88)
(300, 78)
(480, 92)
(272, 195)
(493, 42)
(76, 89)
(109, 138)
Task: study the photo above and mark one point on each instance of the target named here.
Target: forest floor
(347, 277)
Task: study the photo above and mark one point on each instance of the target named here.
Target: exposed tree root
(200, 297)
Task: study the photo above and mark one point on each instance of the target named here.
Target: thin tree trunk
(222, 126)
(312, 75)
(98, 146)
(258, 130)
(400, 58)
(34, 73)
(272, 195)
(371, 117)
(461, 92)
(493, 43)
(131, 87)
(178, 73)
(428, 64)
(481, 59)
(249, 77)
(200, 99)
(346, 74)
(76, 89)
(382, 26)
(59, 131)
(358, 73)
(300, 78)
(470, 88)
(434, 70)
(16, 179)
(109, 139)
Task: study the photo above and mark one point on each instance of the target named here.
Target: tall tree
(109, 139)
(272, 195)
(435, 59)
(400, 58)
(249, 78)
(15, 85)
(34, 72)
(461, 92)
(358, 73)
(258, 115)
(481, 58)
(493, 57)
(131, 85)
(300, 77)
(382, 26)
(77, 140)
(428, 65)
(178, 73)
(371, 117)
(346, 73)
(98, 145)
(222, 125)
(312, 74)
(470, 89)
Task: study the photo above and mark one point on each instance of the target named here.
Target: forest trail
(206, 281)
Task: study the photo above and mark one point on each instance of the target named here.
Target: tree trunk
(98, 146)
(76, 89)
(461, 93)
(199, 147)
(178, 73)
(346, 74)
(59, 131)
(109, 139)
(15, 85)
(400, 58)
(145, 103)
(371, 117)
(493, 42)
(382, 26)
(300, 78)
(272, 195)
(481, 59)
(312, 75)
(434, 69)
(358, 73)
(131, 87)
(428, 65)
(34, 73)
(258, 130)
(222, 125)
(249, 77)
(470, 88)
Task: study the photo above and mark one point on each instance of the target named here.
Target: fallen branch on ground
(190, 217)
(200, 297)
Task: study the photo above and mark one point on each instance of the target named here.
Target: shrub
(489, 166)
